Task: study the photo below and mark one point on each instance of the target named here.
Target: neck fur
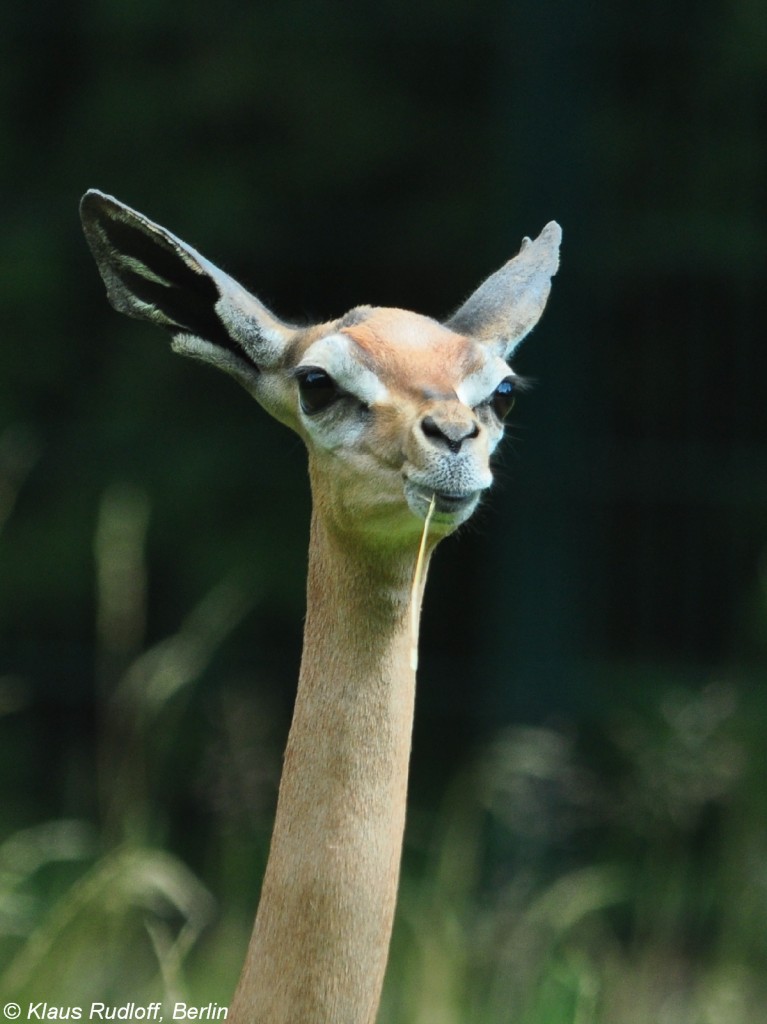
(322, 931)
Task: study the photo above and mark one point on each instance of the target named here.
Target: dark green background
(330, 154)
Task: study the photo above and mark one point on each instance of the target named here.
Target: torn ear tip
(550, 236)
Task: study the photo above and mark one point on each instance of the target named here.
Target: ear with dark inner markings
(152, 275)
(152, 271)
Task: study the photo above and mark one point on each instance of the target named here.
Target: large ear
(151, 274)
(510, 302)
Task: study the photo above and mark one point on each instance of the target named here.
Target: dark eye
(317, 390)
(502, 399)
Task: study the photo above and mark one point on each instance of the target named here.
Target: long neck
(321, 937)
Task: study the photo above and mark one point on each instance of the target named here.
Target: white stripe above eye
(336, 355)
(479, 386)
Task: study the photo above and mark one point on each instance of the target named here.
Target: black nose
(448, 432)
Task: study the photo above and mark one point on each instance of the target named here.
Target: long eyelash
(523, 383)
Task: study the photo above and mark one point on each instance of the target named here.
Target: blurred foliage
(587, 834)
(610, 873)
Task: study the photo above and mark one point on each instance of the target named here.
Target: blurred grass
(613, 874)
(630, 887)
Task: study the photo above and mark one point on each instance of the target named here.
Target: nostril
(430, 427)
(451, 434)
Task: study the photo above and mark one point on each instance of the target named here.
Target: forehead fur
(405, 346)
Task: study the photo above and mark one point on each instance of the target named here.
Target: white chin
(449, 509)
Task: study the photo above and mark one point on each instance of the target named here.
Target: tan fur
(328, 897)
(414, 353)
(329, 892)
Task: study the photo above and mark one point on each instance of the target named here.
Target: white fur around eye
(479, 386)
(335, 355)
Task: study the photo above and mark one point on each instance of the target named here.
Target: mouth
(449, 509)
